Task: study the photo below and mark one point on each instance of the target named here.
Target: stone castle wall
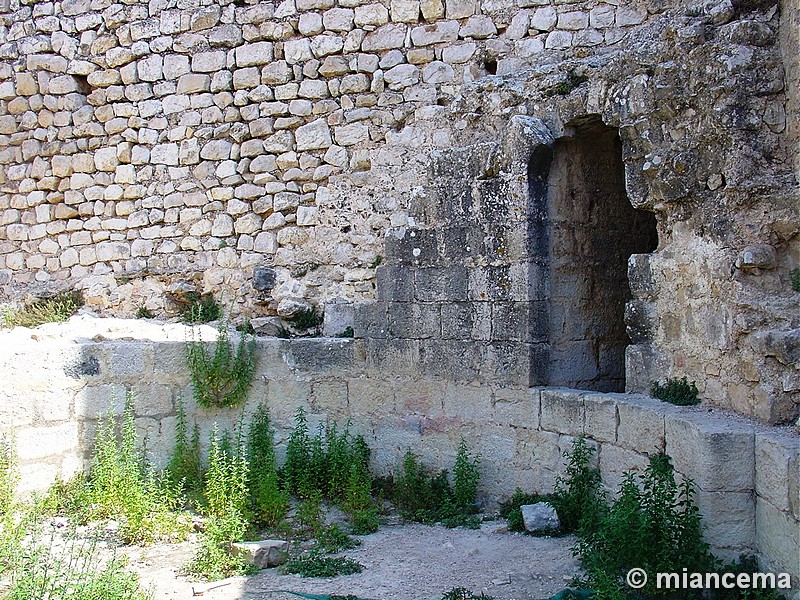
(147, 149)
(142, 140)
(747, 475)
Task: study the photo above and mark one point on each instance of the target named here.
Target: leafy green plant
(144, 313)
(8, 476)
(122, 486)
(796, 280)
(309, 514)
(578, 498)
(464, 594)
(297, 476)
(57, 309)
(71, 572)
(653, 524)
(308, 318)
(676, 391)
(185, 468)
(347, 332)
(466, 475)
(222, 379)
(269, 504)
(746, 563)
(563, 88)
(316, 564)
(200, 308)
(226, 509)
(333, 539)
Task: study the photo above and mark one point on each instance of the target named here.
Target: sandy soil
(403, 562)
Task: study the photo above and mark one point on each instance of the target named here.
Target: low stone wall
(747, 475)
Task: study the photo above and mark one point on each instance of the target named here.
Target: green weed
(333, 539)
(464, 594)
(122, 486)
(796, 280)
(676, 391)
(578, 498)
(268, 503)
(227, 508)
(309, 514)
(185, 469)
(306, 319)
(144, 313)
(73, 571)
(316, 564)
(57, 309)
(653, 524)
(222, 379)
(201, 308)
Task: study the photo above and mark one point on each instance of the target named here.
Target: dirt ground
(402, 562)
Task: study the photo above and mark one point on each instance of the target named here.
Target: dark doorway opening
(583, 230)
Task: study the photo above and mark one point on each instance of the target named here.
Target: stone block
(96, 401)
(466, 320)
(729, 521)
(441, 284)
(399, 357)
(563, 411)
(262, 554)
(131, 359)
(517, 321)
(777, 470)
(540, 517)
(451, 359)
(778, 541)
(413, 320)
(367, 396)
(35, 443)
(716, 454)
(517, 407)
(285, 396)
(471, 403)
(330, 398)
(395, 283)
(600, 417)
(318, 356)
(515, 364)
(614, 461)
(152, 399)
(370, 320)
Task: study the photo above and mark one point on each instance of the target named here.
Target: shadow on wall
(582, 229)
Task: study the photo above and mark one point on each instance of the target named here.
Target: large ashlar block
(468, 402)
(39, 442)
(778, 542)
(95, 401)
(131, 359)
(600, 417)
(614, 461)
(641, 423)
(330, 397)
(285, 396)
(728, 521)
(368, 396)
(777, 468)
(563, 411)
(517, 407)
(717, 454)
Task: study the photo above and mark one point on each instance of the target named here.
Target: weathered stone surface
(262, 554)
(540, 517)
(314, 135)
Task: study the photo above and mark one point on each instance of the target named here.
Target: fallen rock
(270, 326)
(539, 517)
(262, 554)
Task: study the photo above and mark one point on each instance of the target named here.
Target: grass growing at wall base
(57, 309)
(676, 391)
